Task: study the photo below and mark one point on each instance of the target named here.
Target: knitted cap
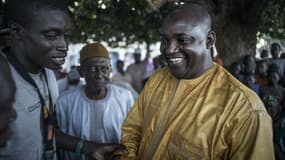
(93, 50)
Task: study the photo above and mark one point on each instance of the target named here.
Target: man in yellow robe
(194, 109)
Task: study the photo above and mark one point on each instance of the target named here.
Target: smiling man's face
(185, 44)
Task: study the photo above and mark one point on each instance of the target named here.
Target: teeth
(59, 59)
(175, 60)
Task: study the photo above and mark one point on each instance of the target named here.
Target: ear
(110, 69)
(211, 39)
(15, 29)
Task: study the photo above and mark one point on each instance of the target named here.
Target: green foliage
(122, 22)
(118, 22)
(273, 20)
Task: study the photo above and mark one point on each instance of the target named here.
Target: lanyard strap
(47, 115)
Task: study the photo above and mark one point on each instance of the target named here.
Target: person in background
(236, 71)
(121, 75)
(273, 96)
(249, 81)
(249, 64)
(123, 79)
(275, 50)
(138, 70)
(261, 73)
(194, 108)
(72, 80)
(264, 55)
(94, 112)
(7, 96)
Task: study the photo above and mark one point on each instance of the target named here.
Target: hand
(105, 151)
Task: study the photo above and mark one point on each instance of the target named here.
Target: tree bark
(236, 24)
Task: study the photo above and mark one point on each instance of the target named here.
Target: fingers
(120, 152)
(117, 150)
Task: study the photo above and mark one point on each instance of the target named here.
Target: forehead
(181, 26)
(50, 19)
(97, 61)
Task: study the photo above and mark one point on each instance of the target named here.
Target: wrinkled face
(274, 78)
(45, 40)
(7, 112)
(96, 72)
(185, 47)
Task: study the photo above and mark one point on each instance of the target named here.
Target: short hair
(20, 11)
(264, 53)
(199, 9)
(275, 44)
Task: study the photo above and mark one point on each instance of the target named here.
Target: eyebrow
(176, 34)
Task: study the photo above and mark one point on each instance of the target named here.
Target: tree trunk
(234, 41)
(235, 23)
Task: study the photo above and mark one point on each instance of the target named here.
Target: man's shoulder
(70, 93)
(235, 92)
(161, 73)
(118, 89)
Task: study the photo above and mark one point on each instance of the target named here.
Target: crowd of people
(265, 76)
(189, 108)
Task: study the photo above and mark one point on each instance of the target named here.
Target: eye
(104, 69)
(185, 41)
(51, 35)
(163, 40)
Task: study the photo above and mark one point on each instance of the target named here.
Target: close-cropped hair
(20, 11)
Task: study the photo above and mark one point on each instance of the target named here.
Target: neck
(28, 65)
(207, 65)
(96, 93)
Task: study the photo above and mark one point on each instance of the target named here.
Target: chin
(177, 75)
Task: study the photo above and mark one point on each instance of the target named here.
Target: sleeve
(61, 114)
(132, 129)
(252, 137)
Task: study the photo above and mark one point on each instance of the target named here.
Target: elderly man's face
(96, 72)
(185, 46)
(45, 40)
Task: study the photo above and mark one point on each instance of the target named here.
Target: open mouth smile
(59, 60)
(174, 61)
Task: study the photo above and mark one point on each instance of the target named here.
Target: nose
(171, 47)
(62, 44)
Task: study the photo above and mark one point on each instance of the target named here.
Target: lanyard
(47, 114)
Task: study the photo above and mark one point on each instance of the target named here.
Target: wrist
(88, 147)
(79, 146)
